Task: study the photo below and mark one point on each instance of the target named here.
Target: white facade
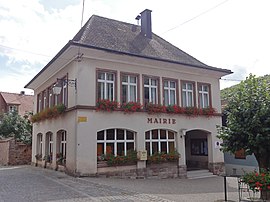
(99, 74)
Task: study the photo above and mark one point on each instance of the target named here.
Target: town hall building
(123, 90)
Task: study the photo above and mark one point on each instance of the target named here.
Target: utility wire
(29, 52)
(25, 51)
(195, 17)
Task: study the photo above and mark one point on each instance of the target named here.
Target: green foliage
(227, 93)
(248, 120)
(130, 158)
(160, 157)
(49, 113)
(14, 125)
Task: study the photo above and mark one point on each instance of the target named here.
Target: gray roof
(125, 38)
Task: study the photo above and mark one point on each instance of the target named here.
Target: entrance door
(196, 143)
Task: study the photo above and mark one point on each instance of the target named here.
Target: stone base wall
(4, 152)
(217, 168)
(15, 153)
(160, 171)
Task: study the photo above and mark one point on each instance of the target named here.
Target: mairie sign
(161, 121)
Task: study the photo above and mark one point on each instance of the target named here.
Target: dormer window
(12, 108)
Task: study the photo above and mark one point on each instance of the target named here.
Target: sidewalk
(183, 190)
(32, 184)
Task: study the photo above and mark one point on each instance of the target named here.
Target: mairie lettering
(161, 121)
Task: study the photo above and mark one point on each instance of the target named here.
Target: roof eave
(52, 60)
(226, 71)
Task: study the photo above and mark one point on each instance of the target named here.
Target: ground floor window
(159, 140)
(39, 145)
(61, 147)
(63, 143)
(115, 141)
(199, 147)
(49, 147)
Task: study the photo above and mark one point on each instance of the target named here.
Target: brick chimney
(146, 24)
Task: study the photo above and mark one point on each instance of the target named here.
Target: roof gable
(25, 102)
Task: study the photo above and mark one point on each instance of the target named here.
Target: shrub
(155, 108)
(160, 157)
(131, 106)
(49, 113)
(112, 160)
(107, 105)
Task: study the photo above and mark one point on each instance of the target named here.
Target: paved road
(31, 184)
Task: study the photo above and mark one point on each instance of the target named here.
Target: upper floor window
(12, 108)
(204, 95)
(129, 88)
(106, 85)
(150, 90)
(169, 92)
(56, 99)
(64, 93)
(39, 102)
(188, 94)
(50, 95)
(44, 102)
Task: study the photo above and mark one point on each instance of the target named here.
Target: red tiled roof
(25, 102)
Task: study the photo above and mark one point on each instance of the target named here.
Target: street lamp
(57, 87)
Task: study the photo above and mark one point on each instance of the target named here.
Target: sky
(229, 34)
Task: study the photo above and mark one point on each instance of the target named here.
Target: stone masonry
(14, 153)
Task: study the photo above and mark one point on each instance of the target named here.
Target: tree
(14, 125)
(248, 120)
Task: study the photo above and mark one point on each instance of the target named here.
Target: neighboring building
(113, 60)
(21, 103)
(238, 163)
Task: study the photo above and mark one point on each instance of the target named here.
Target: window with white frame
(115, 141)
(187, 94)
(12, 108)
(64, 93)
(129, 88)
(106, 85)
(63, 144)
(50, 139)
(150, 90)
(56, 99)
(39, 144)
(44, 95)
(39, 103)
(204, 95)
(159, 140)
(50, 103)
(49, 146)
(169, 92)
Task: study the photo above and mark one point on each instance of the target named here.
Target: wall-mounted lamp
(61, 82)
(182, 132)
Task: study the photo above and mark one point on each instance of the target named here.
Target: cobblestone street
(26, 183)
